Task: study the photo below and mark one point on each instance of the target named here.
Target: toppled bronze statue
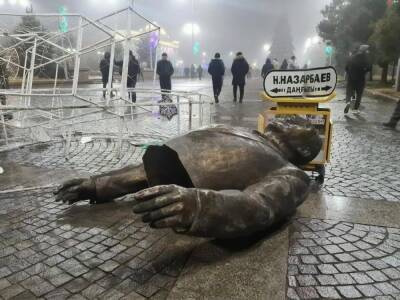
(216, 182)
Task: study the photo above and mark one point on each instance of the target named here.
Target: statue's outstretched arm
(105, 187)
(225, 214)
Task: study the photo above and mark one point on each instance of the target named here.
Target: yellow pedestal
(306, 108)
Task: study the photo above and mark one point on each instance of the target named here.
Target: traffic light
(391, 2)
(328, 49)
(196, 48)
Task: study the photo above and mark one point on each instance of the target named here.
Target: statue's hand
(75, 190)
(167, 206)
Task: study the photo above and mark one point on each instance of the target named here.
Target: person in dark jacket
(284, 65)
(133, 72)
(216, 69)
(293, 63)
(165, 70)
(187, 72)
(356, 69)
(267, 67)
(200, 72)
(239, 70)
(105, 70)
(192, 71)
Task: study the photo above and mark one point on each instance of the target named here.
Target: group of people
(271, 65)
(240, 68)
(133, 73)
(356, 69)
(165, 70)
(194, 72)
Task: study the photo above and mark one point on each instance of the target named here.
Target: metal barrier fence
(69, 108)
(49, 114)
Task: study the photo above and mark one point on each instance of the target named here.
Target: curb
(380, 96)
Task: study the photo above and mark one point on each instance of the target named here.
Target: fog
(225, 25)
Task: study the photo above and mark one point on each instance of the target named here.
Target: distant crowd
(356, 69)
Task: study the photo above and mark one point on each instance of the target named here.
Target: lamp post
(193, 57)
(193, 29)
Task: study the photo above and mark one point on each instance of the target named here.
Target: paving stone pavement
(364, 163)
(52, 251)
(335, 260)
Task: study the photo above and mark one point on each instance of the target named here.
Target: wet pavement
(344, 242)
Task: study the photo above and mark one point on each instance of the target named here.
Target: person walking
(239, 69)
(133, 72)
(165, 70)
(186, 71)
(200, 72)
(216, 69)
(356, 69)
(394, 120)
(293, 63)
(192, 71)
(284, 65)
(267, 67)
(105, 70)
(275, 63)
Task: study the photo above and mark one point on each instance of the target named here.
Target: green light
(328, 50)
(63, 23)
(196, 48)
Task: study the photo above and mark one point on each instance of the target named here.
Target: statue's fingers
(60, 196)
(162, 213)
(153, 192)
(71, 190)
(68, 184)
(174, 221)
(70, 198)
(155, 203)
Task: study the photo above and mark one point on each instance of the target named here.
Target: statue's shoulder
(226, 129)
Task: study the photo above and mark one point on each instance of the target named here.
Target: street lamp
(267, 47)
(24, 3)
(312, 41)
(191, 28)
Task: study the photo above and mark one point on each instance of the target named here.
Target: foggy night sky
(226, 25)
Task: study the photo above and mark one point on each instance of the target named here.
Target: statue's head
(296, 137)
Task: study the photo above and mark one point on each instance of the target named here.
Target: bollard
(179, 114)
(398, 76)
(190, 113)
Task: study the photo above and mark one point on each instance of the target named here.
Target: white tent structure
(71, 105)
